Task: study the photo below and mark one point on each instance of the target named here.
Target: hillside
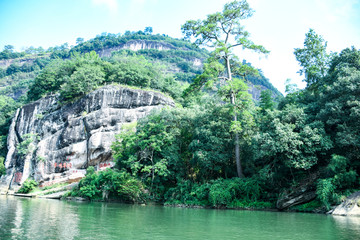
(179, 58)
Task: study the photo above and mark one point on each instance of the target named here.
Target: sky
(278, 25)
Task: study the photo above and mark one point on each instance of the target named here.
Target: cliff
(136, 45)
(53, 143)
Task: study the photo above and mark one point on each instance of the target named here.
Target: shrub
(2, 167)
(28, 186)
(325, 191)
(234, 192)
(110, 184)
(308, 207)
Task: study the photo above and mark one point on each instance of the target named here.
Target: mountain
(180, 58)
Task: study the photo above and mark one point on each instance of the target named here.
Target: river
(24, 218)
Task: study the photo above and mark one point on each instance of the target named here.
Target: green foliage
(223, 31)
(287, 137)
(2, 167)
(220, 193)
(110, 184)
(225, 191)
(313, 58)
(28, 186)
(340, 178)
(40, 159)
(326, 192)
(177, 144)
(266, 101)
(81, 74)
(8, 53)
(26, 145)
(312, 206)
(84, 79)
(109, 40)
(338, 104)
(7, 109)
(185, 155)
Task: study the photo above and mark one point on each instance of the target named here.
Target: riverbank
(349, 207)
(64, 196)
(33, 218)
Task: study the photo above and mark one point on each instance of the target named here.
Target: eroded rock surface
(69, 138)
(350, 207)
(304, 192)
(136, 45)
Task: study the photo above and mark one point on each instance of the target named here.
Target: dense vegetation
(217, 147)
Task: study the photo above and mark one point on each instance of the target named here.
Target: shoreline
(84, 200)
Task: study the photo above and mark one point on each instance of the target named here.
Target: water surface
(24, 218)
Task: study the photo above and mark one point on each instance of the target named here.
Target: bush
(28, 186)
(224, 191)
(110, 184)
(2, 167)
(220, 193)
(308, 207)
(325, 191)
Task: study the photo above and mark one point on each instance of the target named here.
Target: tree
(85, 79)
(313, 57)
(266, 101)
(148, 30)
(79, 40)
(9, 48)
(290, 138)
(339, 104)
(223, 31)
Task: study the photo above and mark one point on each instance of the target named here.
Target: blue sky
(279, 25)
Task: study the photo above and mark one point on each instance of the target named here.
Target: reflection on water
(22, 218)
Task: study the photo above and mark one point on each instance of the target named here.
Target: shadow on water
(22, 218)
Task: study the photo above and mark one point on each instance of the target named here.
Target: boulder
(350, 207)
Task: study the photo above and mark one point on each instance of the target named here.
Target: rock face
(304, 192)
(136, 45)
(295, 198)
(350, 207)
(60, 142)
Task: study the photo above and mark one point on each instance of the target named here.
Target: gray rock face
(69, 138)
(350, 207)
(295, 198)
(304, 192)
(136, 45)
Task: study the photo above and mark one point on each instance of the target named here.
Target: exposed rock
(350, 207)
(303, 193)
(72, 137)
(136, 45)
(295, 198)
(20, 61)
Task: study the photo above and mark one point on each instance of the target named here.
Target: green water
(23, 218)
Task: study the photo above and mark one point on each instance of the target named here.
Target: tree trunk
(237, 144)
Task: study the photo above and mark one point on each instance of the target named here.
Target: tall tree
(223, 31)
(148, 30)
(79, 40)
(313, 58)
(266, 100)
